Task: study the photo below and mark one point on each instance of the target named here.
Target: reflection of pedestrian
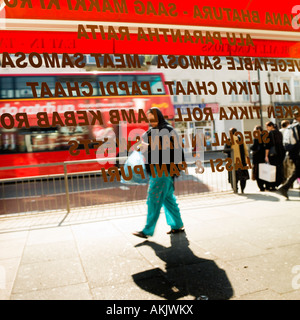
(284, 125)
(288, 165)
(295, 156)
(161, 189)
(258, 153)
(240, 154)
(275, 154)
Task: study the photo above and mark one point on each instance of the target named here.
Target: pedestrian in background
(275, 154)
(161, 189)
(240, 155)
(294, 154)
(258, 156)
(288, 164)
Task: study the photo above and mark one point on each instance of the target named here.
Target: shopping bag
(267, 172)
(139, 177)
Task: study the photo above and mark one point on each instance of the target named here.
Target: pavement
(235, 247)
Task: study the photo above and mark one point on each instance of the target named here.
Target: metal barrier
(87, 189)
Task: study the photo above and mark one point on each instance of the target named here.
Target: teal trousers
(161, 194)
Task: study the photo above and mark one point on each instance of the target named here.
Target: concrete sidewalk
(235, 247)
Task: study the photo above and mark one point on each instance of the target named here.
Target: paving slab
(79, 291)
(49, 274)
(274, 269)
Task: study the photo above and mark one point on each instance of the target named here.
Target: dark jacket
(258, 152)
(275, 145)
(164, 146)
(294, 153)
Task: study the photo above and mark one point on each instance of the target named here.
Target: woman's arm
(143, 146)
(267, 155)
(269, 146)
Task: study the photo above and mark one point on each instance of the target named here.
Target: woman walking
(161, 189)
(275, 154)
(240, 155)
(258, 153)
(288, 164)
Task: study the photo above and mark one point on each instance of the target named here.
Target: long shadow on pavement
(264, 196)
(186, 274)
(267, 196)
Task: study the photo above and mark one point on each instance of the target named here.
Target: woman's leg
(243, 185)
(260, 184)
(279, 175)
(155, 199)
(171, 208)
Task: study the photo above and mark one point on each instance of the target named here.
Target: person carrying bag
(258, 157)
(161, 187)
(292, 144)
(135, 159)
(274, 154)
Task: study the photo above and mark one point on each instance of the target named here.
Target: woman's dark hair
(233, 130)
(258, 128)
(159, 116)
(271, 124)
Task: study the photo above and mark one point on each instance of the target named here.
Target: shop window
(38, 139)
(287, 97)
(234, 97)
(8, 141)
(6, 88)
(24, 91)
(198, 99)
(186, 98)
(297, 90)
(156, 84)
(174, 97)
(246, 97)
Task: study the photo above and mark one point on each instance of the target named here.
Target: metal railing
(70, 191)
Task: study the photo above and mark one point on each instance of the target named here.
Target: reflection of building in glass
(38, 139)
(247, 93)
(66, 116)
(235, 88)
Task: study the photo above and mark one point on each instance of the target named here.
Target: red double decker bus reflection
(39, 126)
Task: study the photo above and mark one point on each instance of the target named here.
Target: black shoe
(176, 230)
(283, 192)
(140, 234)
